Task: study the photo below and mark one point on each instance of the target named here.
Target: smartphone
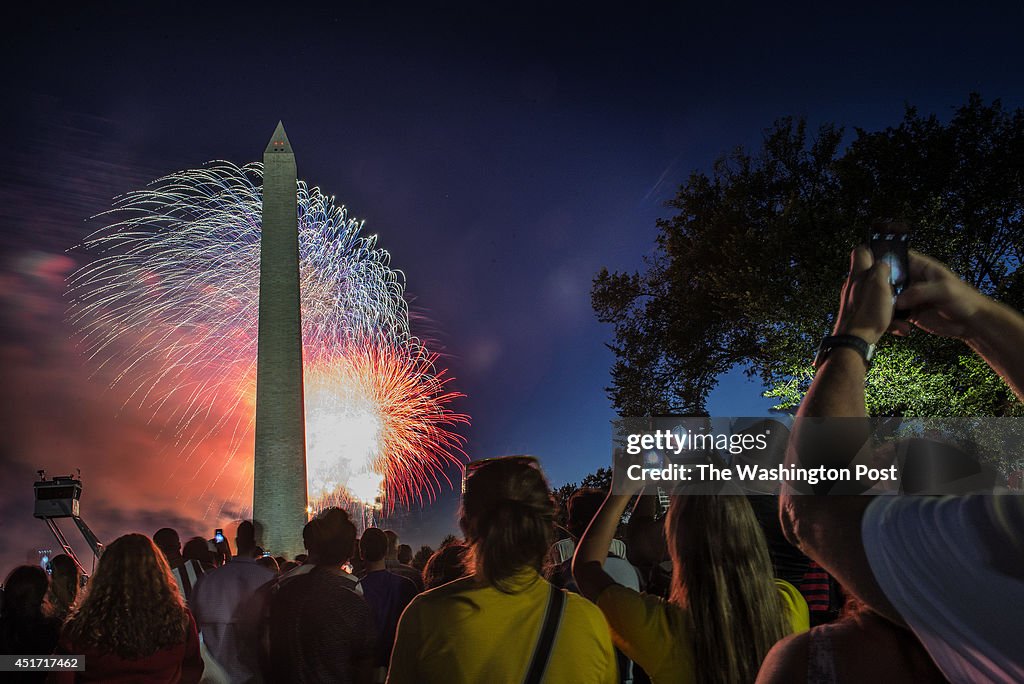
(889, 243)
(653, 460)
(218, 536)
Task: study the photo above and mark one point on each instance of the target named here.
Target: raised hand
(939, 301)
(866, 304)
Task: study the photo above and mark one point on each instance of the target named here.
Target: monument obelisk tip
(279, 141)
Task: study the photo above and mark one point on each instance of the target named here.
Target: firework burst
(169, 306)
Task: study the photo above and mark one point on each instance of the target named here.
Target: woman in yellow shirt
(725, 610)
(485, 628)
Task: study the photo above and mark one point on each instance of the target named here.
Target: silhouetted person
(225, 604)
(186, 573)
(132, 624)
(447, 564)
(65, 581)
(310, 539)
(25, 628)
(387, 593)
(647, 548)
(394, 565)
(198, 549)
(583, 505)
(392, 554)
(320, 630)
(405, 554)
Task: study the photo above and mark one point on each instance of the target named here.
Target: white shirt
(226, 611)
(928, 556)
(616, 565)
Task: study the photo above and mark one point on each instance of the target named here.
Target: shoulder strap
(548, 631)
(821, 657)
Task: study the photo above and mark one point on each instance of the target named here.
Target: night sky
(502, 154)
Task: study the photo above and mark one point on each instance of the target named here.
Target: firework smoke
(169, 306)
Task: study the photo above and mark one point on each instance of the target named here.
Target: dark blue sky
(503, 153)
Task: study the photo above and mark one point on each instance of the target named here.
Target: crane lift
(58, 498)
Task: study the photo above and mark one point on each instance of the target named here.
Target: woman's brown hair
(508, 518)
(722, 575)
(132, 607)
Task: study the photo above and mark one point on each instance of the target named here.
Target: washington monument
(279, 488)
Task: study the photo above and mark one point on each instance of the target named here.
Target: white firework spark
(169, 306)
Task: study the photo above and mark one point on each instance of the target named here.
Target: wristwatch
(866, 350)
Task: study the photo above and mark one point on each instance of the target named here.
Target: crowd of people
(721, 588)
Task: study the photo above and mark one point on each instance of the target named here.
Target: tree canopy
(747, 272)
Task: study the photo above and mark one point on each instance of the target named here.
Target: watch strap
(863, 347)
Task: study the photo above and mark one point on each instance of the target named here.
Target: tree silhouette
(747, 273)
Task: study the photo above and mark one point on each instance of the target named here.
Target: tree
(748, 272)
(422, 556)
(599, 479)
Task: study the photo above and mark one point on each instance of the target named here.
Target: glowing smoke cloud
(170, 305)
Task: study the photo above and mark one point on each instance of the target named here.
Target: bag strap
(546, 639)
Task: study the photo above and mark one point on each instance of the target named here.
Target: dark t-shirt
(35, 636)
(320, 630)
(388, 594)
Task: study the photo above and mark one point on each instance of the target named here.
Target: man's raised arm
(942, 304)
(827, 528)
